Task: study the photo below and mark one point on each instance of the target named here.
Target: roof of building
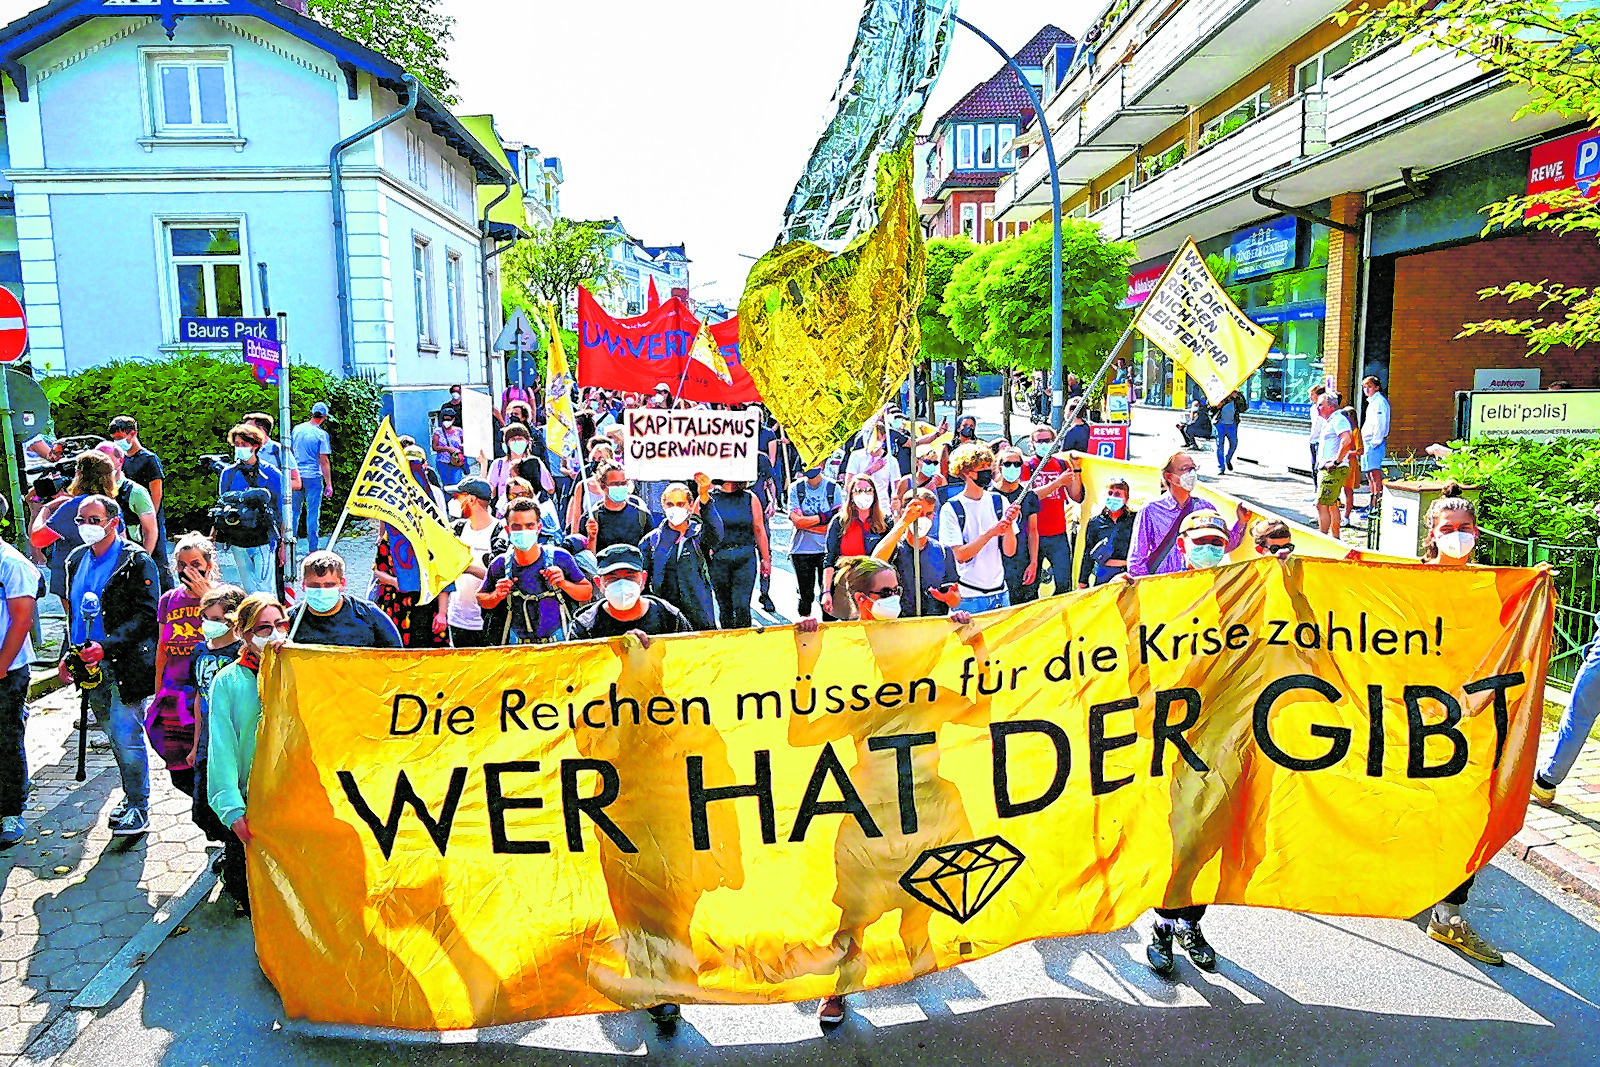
(1002, 96)
(507, 209)
(40, 26)
(974, 179)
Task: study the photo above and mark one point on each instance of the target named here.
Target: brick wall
(1344, 265)
(1435, 292)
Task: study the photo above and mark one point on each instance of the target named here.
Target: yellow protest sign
(449, 839)
(560, 427)
(1190, 318)
(385, 490)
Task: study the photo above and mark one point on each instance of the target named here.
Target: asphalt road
(1291, 989)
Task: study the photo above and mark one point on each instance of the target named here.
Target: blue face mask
(930, 469)
(1115, 503)
(1202, 557)
(523, 540)
(1011, 472)
(617, 494)
(323, 600)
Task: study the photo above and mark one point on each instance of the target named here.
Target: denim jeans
(1055, 552)
(124, 724)
(1021, 592)
(255, 568)
(1227, 435)
(309, 497)
(13, 750)
(1577, 720)
(987, 602)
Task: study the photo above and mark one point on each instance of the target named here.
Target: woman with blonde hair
(857, 530)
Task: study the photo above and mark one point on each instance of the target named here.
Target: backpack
(516, 605)
(956, 505)
(243, 517)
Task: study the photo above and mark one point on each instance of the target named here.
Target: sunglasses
(266, 629)
(89, 520)
(879, 594)
(1210, 542)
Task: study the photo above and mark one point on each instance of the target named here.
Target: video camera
(214, 462)
(57, 474)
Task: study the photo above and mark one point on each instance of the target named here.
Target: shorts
(1332, 485)
(1372, 459)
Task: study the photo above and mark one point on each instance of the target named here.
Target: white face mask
(863, 500)
(677, 515)
(91, 535)
(213, 629)
(455, 509)
(1189, 479)
(887, 608)
(1457, 544)
(278, 637)
(623, 593)
(921, 527)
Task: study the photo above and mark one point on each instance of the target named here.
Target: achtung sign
(463, 838)
(661, 444)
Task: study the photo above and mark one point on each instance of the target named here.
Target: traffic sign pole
(19, 514)
(287, 457)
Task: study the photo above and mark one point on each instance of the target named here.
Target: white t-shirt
(18, 578)
(1375, 427)
(464, 613)
(884, 477)
(984, 573)
(1328, 437)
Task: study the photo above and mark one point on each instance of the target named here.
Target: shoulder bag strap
(1170, 539)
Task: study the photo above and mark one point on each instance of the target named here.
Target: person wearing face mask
(218, 648)
(235, 717)
(122, 635)
(1107, 537)
(254, 539)
(813, 502)
(875, 461)
(1272, 537)
(1451, 540)
(624, 608)
(143, 467)
(742, 552)
(476, 526)
(135, 500)
(1054, 479)
(529, 589)
(1155, 548)
(620, 518)
(449, 455)
(857, 530)
(328, 615)
(677, 553)
(194, 566)
(452, 408)
(1022, 565)
(520, 461)
(927, 569)
(924, 475)
(311, 452)
(980, 529)
(966, 434)
(590, 492)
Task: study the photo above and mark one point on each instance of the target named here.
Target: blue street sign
(225, 331)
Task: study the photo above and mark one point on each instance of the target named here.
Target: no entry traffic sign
(13, 327)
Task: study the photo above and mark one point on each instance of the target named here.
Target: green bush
(186, 405)
(1546, 490)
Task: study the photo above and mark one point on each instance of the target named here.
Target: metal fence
(1577, 581)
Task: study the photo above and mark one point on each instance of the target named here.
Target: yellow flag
(705, 351)
(560, 427)
(1190, 318)
(386, 491)
(450, 839)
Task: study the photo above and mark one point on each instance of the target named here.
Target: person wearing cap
(1206, 540)
(1156, 548)
(472, 508)
(624, 607)
(527, 588)
(661, 397)
(311, 451)
(1272, 538)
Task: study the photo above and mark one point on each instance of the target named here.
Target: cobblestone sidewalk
(1564, 841)
(72, 894)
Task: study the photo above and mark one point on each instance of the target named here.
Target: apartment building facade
(1334, 181)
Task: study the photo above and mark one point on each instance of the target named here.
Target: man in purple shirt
(1158, 521)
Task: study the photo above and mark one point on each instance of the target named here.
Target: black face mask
(966, 432)
(983, 478)
(814, 472)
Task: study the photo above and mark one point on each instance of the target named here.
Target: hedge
(186, 405)
(1545, 490)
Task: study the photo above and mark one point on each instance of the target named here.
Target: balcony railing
(1238, 161)
(1392, 82)
(1105, 102)
(1111, 219)
(1191, 25)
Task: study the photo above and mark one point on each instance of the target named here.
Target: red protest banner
(635, 354)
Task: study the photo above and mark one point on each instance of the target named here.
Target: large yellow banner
(451, 839)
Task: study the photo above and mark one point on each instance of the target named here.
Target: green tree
(412, 33)
(939, 342)
(1549, 48)
(550, 264)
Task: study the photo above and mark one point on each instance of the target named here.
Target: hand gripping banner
(450, 839)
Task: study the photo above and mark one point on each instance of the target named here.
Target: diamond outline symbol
(960, 879)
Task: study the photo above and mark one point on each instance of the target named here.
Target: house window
(452, 185)
(205, 269)
(986, 147)
(416, 159)
(1314, 71)
(1247, 110)
(969, 220)
(963, 148)
(985, 223)
(1116, 191)
(1008, 151)
(422, 292)
(455, 301)
(1079, 212)
(191, 92)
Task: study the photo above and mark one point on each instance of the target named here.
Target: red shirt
(852, 541)
(1052, 508)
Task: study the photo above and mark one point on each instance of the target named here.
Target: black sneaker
(1159, 950)
(1201, 954)
(768, 605)
(665, 1014)
(132, 823)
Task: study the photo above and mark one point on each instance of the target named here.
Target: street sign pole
(19, 514)
(286, 457)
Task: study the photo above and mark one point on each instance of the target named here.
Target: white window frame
(422, 292)
(1319, 60)
(964, 147)
(157, 129)
(416, 159)
(451, 182)
(455, 291)
(969, 221)
(1261, 98)
(988, 154)
(1116, 191)
(170, 305)
(1006, 135)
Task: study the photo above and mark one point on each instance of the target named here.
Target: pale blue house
(160, 150)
